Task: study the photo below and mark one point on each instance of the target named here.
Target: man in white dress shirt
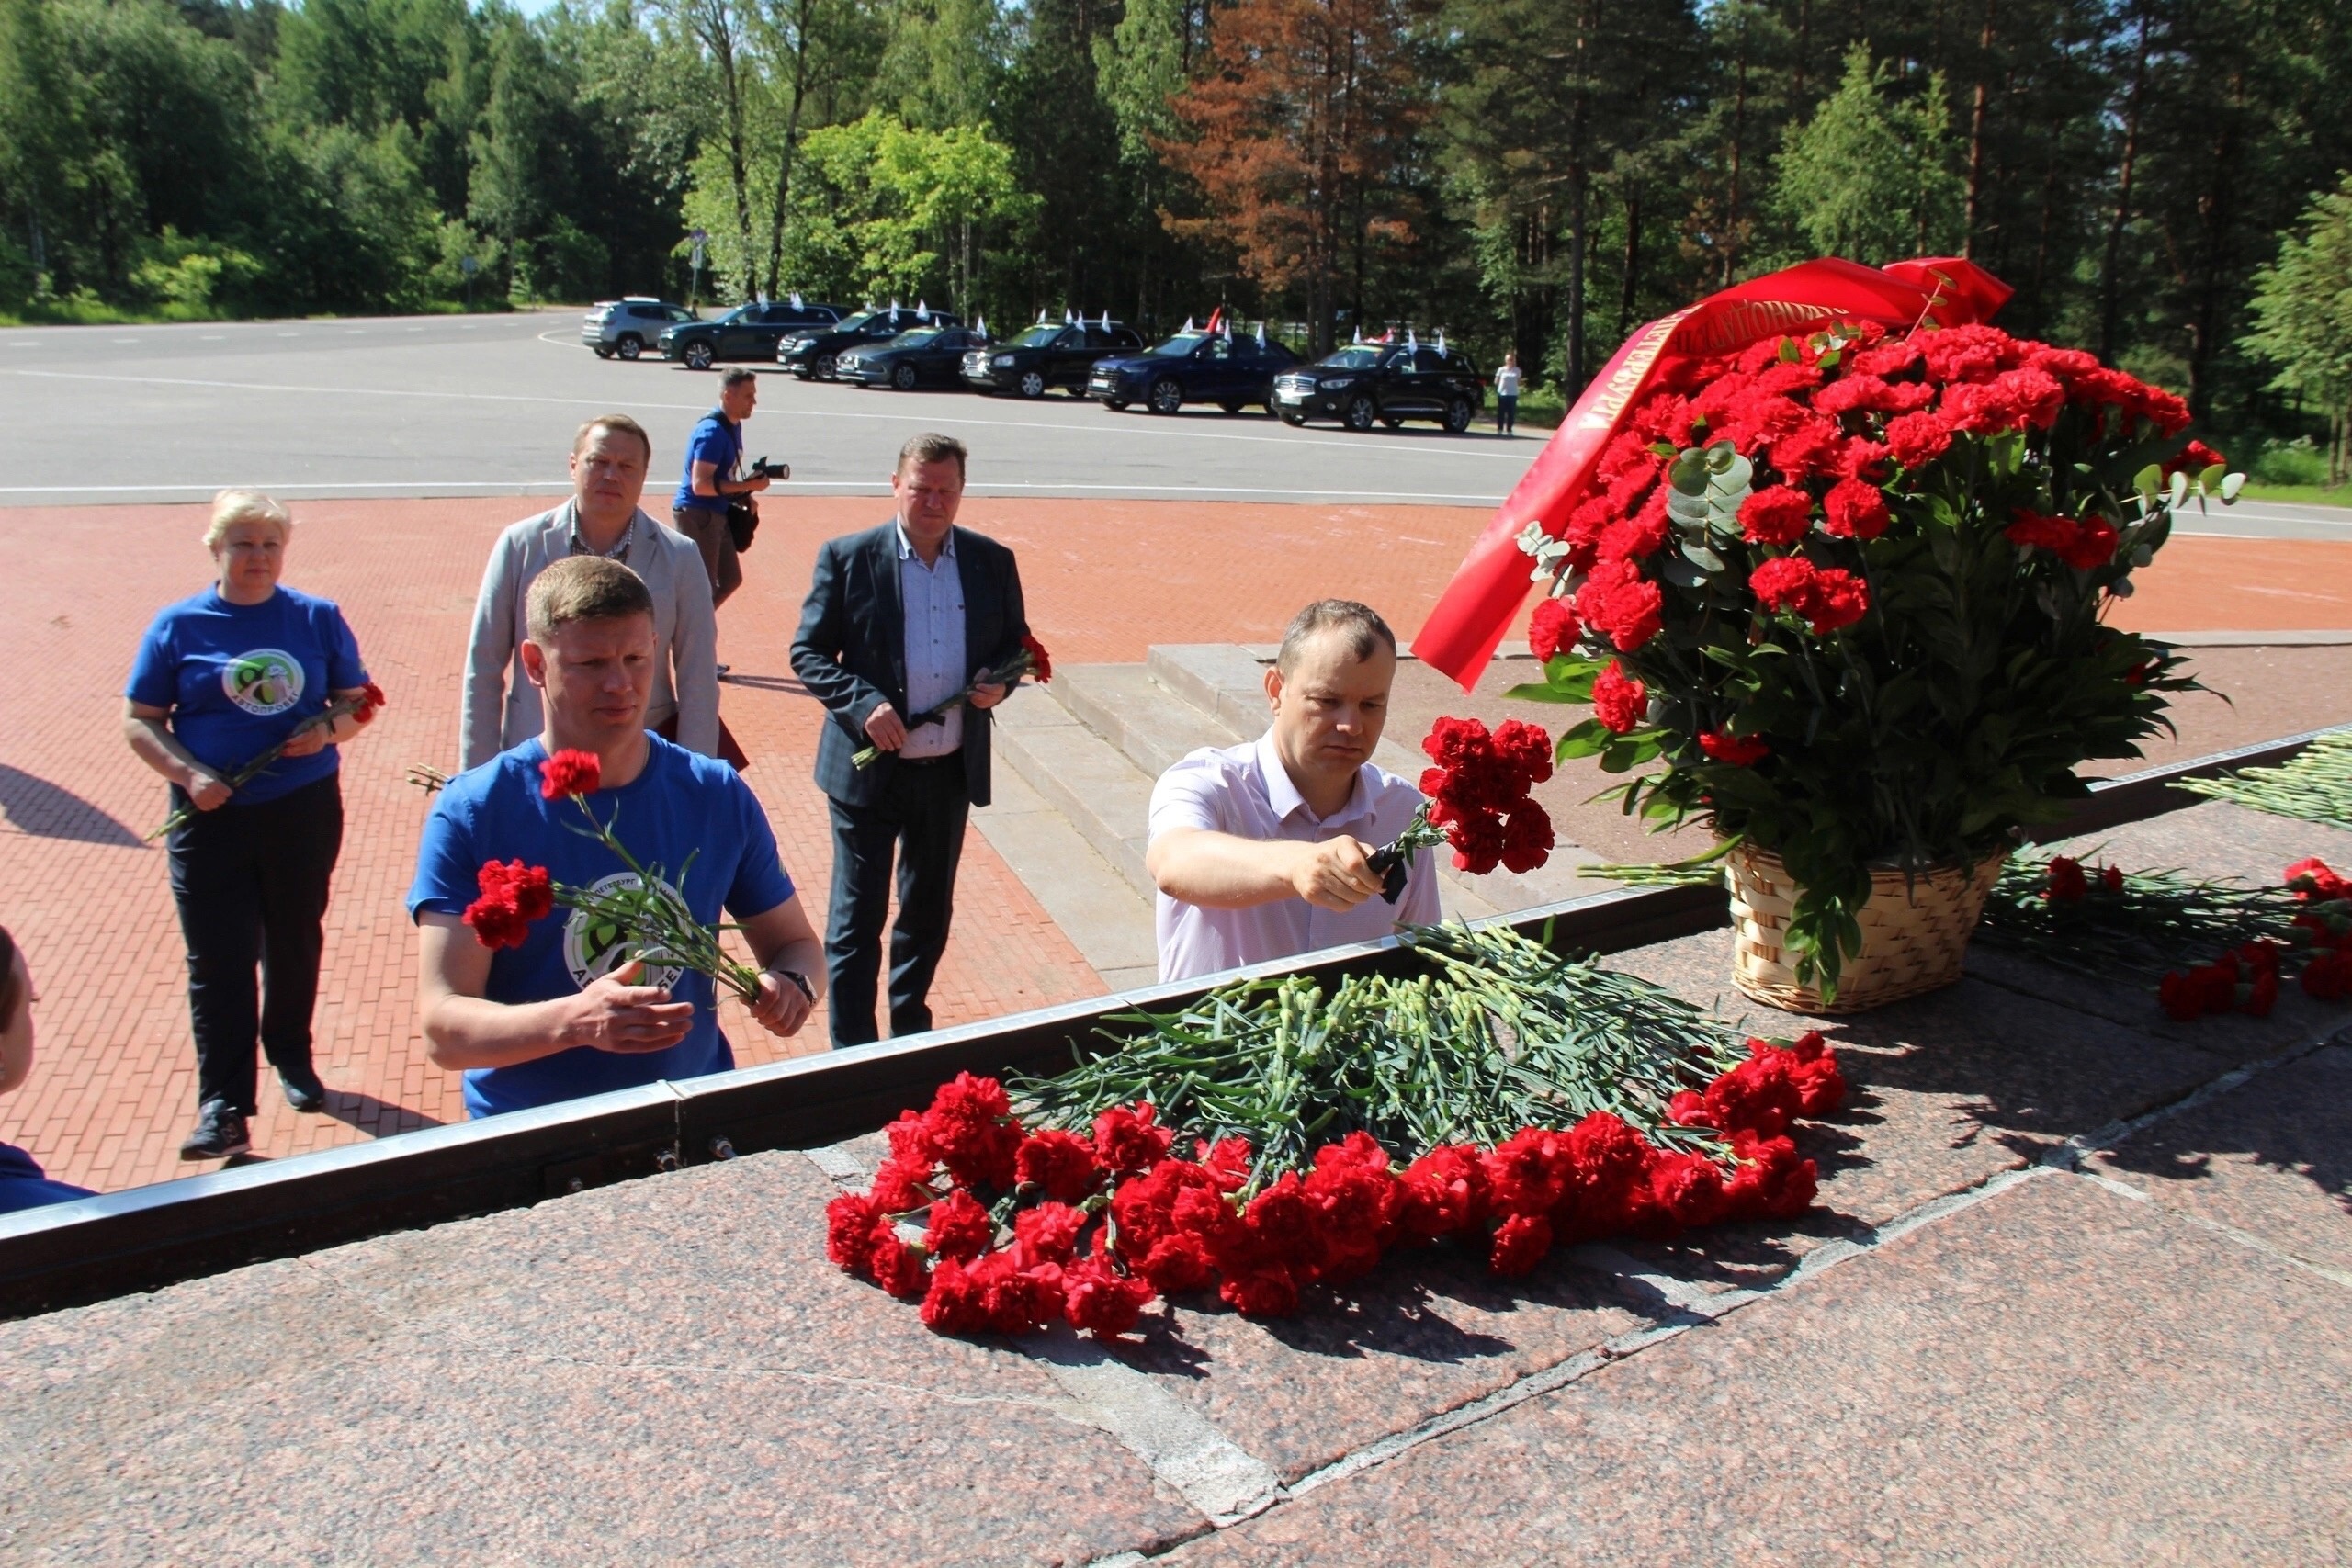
(1263, 850)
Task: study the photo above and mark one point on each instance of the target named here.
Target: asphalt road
(486, 405)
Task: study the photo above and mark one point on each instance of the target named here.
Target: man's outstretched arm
(1222, 870)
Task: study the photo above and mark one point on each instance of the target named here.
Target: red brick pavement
(112, 1092)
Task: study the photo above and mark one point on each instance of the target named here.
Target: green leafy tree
(2302, 312)
(1872, 176)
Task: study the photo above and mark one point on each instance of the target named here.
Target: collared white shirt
(1246, 790)
(578, 545)
(932, 597)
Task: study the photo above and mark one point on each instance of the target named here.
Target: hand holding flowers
(986, 689)
(307, 740)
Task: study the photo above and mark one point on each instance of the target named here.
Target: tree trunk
(791, 150)
(1976, 133)
(1738, 135)
(2213, 211)
(2110, 308)
(1631, 269)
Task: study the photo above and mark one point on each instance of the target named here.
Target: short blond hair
(620, 421)
(932, 447)
(582, 588)
(231, 507)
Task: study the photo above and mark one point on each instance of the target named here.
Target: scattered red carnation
(1856, 510)
(1739, 750)
(1620, 702)
(1478, 792)
(570, 773)
(1778, 514)
(1553, 631)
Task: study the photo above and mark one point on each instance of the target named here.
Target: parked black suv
(1192, 367)
(1387, 382)
(813, 355)
(1048, 355)
(748, 332)
(927, 357)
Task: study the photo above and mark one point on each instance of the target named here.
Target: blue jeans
(1506, 412)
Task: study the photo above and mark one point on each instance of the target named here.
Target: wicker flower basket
(1915, 934)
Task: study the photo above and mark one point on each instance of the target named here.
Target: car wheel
(1116, 405)
(1167, 395)
(903, 378)
(1295, 420)
(1457, 415)
(630, 345)
(1359, 413)
(825, 366)
(1032, 383)
(1394, 422)
(698, 356)
(602, 352)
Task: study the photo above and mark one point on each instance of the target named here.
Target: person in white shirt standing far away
(1507, 396)
(1263, 850)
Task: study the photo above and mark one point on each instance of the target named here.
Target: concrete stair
(1081, 754)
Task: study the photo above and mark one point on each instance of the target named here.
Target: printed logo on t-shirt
(267, 681)
(594, 948)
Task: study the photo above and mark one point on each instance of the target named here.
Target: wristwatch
(798, 979)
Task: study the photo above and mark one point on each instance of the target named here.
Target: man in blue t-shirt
(710, 482)
(570, 1012)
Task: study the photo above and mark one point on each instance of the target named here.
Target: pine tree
(2303, 307)
(1872, 179)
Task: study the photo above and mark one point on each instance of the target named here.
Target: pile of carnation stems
(1271, 1137)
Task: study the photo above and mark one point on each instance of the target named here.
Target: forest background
(1536, 175)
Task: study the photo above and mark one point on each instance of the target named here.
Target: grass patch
(2301, 495)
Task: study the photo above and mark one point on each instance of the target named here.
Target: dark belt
(955, 756)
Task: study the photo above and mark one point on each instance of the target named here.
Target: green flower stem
(661, 931)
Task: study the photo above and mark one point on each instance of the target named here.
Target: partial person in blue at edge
(220, 679)
(554, 1019)
(23, 1183)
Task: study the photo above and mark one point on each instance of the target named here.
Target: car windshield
(915, 339)
(1042, 335)
(858, 322)
(1180, 346)
(1357, 357)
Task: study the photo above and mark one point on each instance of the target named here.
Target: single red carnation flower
(1226, 1161)
(1619, 603)
(1519, 1245)
(2193, 459)
(571, 772)
(1046, 1233)
(1441, 1193)
(958, 1227)
(1127, 1139)
(2092, 547)
(1060, 1163)
(2067, 883)
(1739, 750)
(1552, 630)
(970, 1127)
(1759, 1096)
(1099, 1300)
(1041, 661)
(1268, 1291)
(1641, 536)
(1688, 1109)
(1778, 514)
(1526, 749)
(371, 697)
(955, 1301)
(1839, 599)
(2312, 881)
(1528, 838)
(1528, 1172)
(849, 1231)
(900, 1187)
(1688, 1188)
(2112, 878)
(1917, 439)
(1621, 703)
(899, 1268)
(1855, 510)
(1783, 582)
(1772, 1182)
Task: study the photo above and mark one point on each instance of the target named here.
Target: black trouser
(251, 882)
(919, 812)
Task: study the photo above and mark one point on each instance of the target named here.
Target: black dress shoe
(220, 1133)
(303, 1089)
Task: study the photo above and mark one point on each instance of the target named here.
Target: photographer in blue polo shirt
(712, 482)
(570, 1012)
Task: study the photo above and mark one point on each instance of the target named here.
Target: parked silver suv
(628, 327)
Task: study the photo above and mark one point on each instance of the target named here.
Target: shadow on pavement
(40, 808)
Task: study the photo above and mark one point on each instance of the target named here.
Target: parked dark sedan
(1385, 382)
(1193, 367)
(1048, 355)
(748, 332)
(815, 355)
(927, 357)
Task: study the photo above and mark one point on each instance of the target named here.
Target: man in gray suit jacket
(899, 620)
(609, 459)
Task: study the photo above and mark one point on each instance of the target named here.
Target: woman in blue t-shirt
(23, 1183)
(220, 679)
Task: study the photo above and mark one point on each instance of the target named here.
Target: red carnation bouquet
(643, 915)
(1031, 660)
(1478, 801)
(1025, 1227)
(1849, 591)
(362, 707)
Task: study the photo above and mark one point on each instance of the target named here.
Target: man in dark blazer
(899, 620)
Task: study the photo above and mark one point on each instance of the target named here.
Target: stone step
(1154, 727)
(1094, 785)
